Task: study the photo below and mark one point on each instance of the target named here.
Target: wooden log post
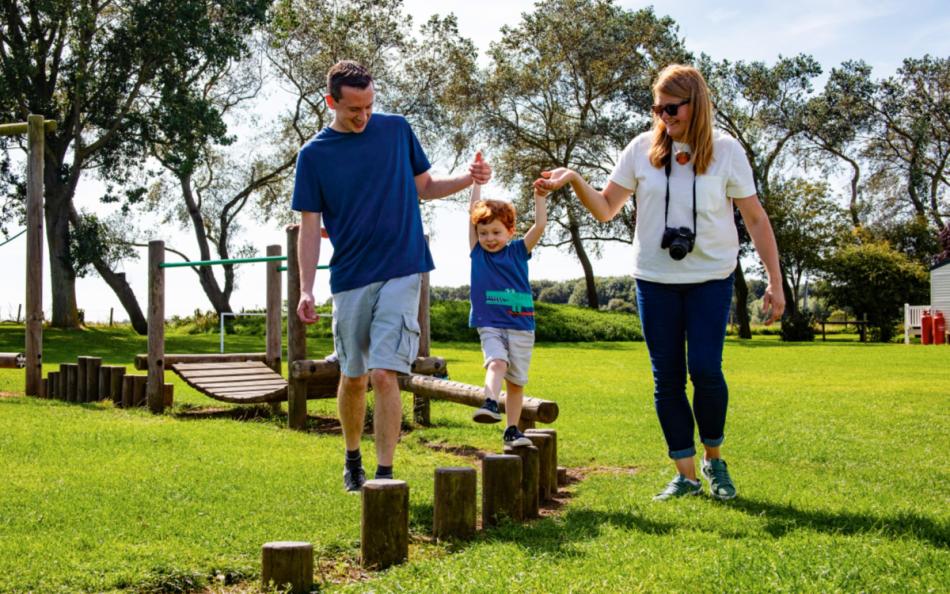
(140, 390)
(530, 475)
(543, 443)
(453, 511)
(273, 310)
(72, 381)
(296, 335)
(552, 462)
(52, 386)
(501, 489)
(116, 376)
(82, 367)
(421, 409)
(93, 364)
(384, 529)
(34, 254)
(128, 391)
(562, 478)
(44, 387)
(104, 373)
(156, 327)
(61, 395)
(168, 395)
(287, 566)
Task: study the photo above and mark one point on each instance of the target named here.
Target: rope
(12, 238)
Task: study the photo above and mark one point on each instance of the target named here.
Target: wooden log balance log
(501, 489)
(534, 409)
(530, 475)
(453, 511)
(287, 566)
(384, 529)
(12, 360)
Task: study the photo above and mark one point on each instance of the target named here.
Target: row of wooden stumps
(88, 380)
(513, 486)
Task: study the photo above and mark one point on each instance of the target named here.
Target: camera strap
(666, 213)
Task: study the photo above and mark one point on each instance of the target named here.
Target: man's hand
(306, 310)
(554, 179)
(479, 169)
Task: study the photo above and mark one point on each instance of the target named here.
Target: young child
(502, 307)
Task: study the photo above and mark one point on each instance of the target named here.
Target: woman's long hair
(684, 82)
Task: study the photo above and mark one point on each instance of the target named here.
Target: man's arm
(430, 188)
(533, 236)
(308, 256)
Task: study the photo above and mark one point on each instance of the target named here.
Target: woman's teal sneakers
(720, 483)
(679, 487)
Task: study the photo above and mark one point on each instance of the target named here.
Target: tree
(807, 222)
(837, 122)
(569, 86)
(763, 107)
(873, 279)
(910, 146)
(97, 68)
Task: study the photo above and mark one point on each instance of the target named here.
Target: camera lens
(678, 251)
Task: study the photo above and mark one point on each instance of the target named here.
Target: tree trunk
(742, 302)
(791, 304)
(62, 277)
(581, 253)
(122, 290)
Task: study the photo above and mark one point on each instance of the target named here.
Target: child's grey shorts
(511, 346)
(376, 326)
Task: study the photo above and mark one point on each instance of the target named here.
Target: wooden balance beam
(12, 361)
(533, 410)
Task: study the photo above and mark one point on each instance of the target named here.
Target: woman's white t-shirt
(714, 255)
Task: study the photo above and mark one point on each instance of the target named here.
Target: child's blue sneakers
(488, 413)
(515, 438)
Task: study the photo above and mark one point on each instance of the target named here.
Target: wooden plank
(223, 388)
(216, 381)
(228, 365)
(265, 372)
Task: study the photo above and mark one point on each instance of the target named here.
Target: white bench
(912, 315)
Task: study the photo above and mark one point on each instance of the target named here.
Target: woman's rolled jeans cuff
(680, 454)
(713, 443)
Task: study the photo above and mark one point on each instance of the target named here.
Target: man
(363, 176)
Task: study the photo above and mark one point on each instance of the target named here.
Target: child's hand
(554, 179)
(479, 169)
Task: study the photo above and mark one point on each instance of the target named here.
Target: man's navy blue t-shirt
(501, 293)
(363, 185)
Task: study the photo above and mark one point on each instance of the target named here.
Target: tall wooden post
(296, 335)
(156, 327)
(420, 404)
(273, 311)
(34, 255)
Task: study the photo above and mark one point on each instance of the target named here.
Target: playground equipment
(35, 128)
(246, 378)
(12, 361)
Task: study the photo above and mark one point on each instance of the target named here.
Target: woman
(686, 179)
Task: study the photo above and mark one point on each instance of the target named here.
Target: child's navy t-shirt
(364, 187)
(501, 293)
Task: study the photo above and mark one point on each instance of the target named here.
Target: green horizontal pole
(22, 127)
(231, 261)
(283, 268)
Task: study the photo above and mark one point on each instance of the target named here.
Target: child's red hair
(486, 211)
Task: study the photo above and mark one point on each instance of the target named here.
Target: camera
(679, 240)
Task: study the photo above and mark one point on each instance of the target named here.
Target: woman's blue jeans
(685, 326)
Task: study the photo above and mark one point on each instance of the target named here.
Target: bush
(555, 323)
(799, 327)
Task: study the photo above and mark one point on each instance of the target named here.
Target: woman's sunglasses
(671, 109)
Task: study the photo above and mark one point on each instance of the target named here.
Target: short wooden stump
(544, 444)
(530, 474)
(384, 529)
(501, 488)
(287, 566)
(453, 511)
(552, 461)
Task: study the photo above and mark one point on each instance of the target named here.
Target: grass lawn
(835, 447)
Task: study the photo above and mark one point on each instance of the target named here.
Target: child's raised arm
(533, 236)
(472, 231)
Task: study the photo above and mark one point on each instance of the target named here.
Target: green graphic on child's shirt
(509, 298)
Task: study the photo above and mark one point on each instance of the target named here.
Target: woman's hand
(554, 179)
(775, 301)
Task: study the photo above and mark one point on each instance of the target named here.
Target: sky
(882, 33)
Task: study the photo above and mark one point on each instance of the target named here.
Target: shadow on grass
(785, 519)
